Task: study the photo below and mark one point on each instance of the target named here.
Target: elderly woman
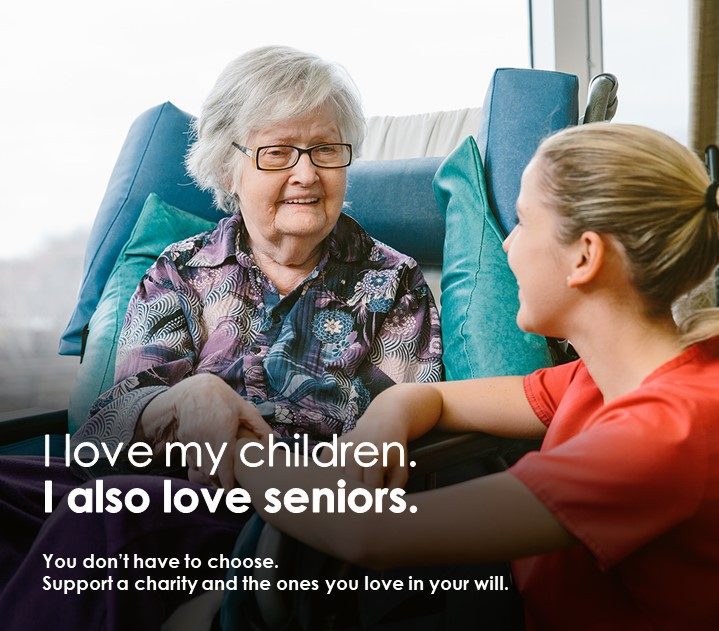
(288, 317)
(288, 304)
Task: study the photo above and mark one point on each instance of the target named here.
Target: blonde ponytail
(649, 192)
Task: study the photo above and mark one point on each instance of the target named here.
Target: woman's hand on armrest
(390, 474)
(397, 415)
(202, 409)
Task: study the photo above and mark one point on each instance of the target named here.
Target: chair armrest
(437, 450)
(31, 422)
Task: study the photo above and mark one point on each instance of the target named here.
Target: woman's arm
(495, 405)
(487, 519)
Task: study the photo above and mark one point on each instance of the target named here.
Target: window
(646, 45)
(80, 73)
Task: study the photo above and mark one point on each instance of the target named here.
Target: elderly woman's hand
(204, 409)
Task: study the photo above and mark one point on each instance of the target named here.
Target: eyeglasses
(333, 155)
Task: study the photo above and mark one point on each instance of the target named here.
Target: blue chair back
(521, 108)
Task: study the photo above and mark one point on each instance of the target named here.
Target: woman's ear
(587, 259)
(232, 177)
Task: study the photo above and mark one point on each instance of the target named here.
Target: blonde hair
(261, 88)
(648, 192)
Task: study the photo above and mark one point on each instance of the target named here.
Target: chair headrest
(521, 108)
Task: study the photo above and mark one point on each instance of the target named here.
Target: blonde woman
(613, 523)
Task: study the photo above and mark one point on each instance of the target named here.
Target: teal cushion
(158, 225)
(152, 160)
(479, 292)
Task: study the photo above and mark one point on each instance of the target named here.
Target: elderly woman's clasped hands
(207, 411)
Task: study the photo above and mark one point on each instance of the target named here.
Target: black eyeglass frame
(254, 155)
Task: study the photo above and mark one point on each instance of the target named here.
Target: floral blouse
(312, 360)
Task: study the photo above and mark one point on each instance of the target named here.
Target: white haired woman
(281, 304)
(613, 523)
(288, 317)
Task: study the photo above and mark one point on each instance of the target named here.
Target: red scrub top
(637, 482)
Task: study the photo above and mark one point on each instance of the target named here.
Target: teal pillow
(158, 225)
(479, 292)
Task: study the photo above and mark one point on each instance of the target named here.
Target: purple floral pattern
(361, 321)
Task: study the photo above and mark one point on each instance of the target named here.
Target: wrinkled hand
(207, 410)
(378, 431)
